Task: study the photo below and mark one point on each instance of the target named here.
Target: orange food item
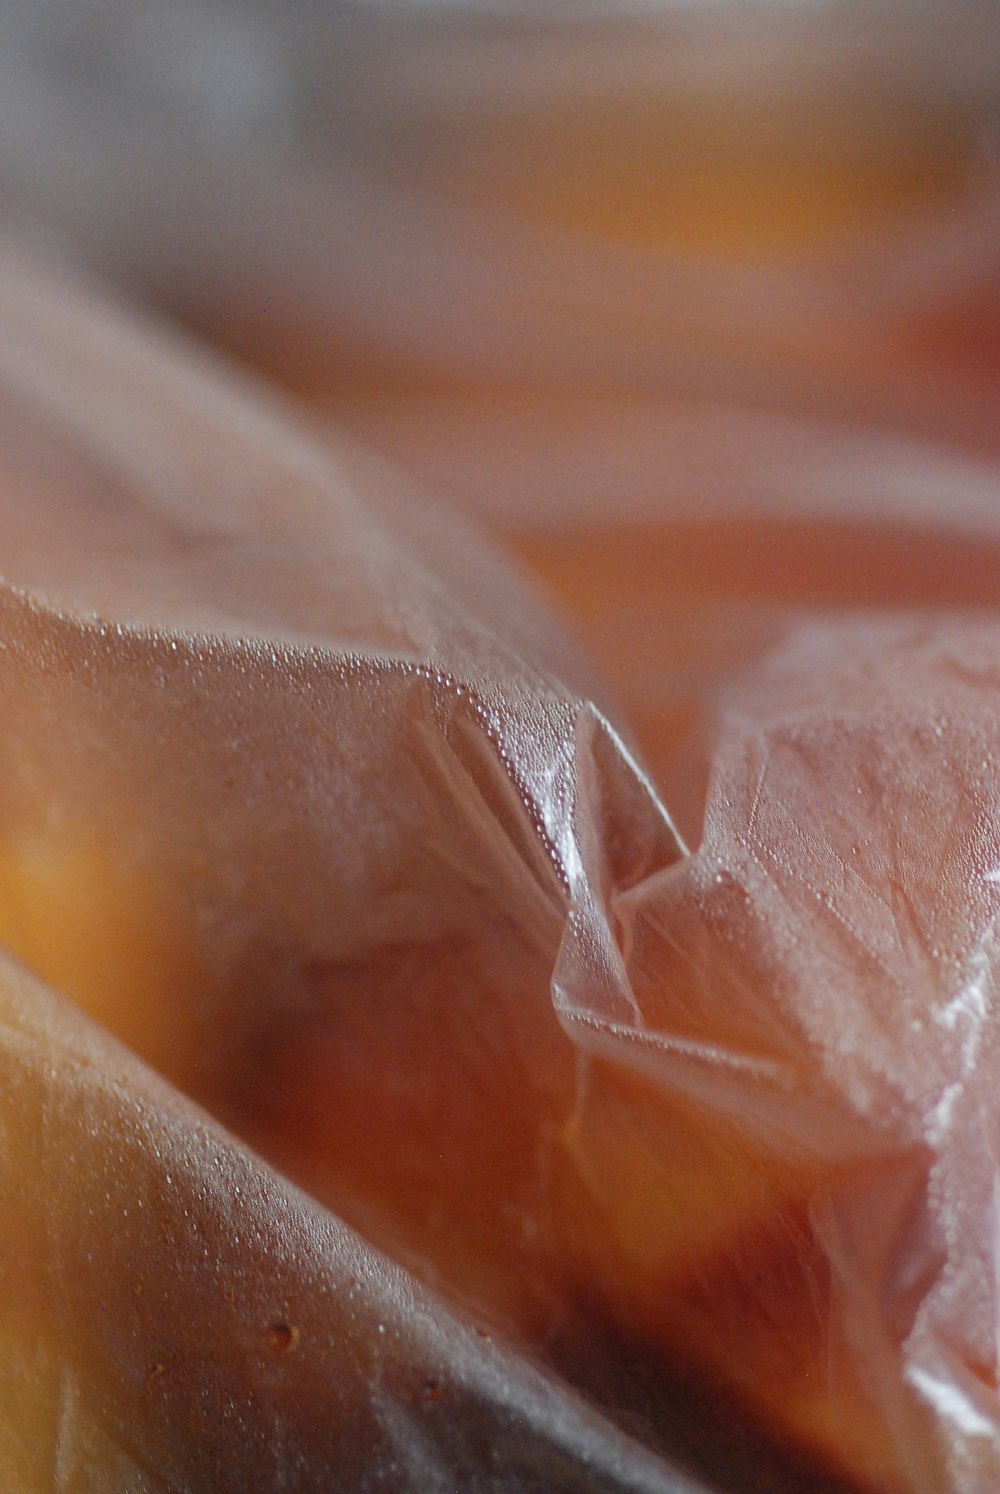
(305, 799)
(217, 659)
(663, 1061)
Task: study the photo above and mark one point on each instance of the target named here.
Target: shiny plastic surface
(281, 801)
(662, 1059)
(305, 799)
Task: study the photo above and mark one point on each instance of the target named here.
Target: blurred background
(696, 304)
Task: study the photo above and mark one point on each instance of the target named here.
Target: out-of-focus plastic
(306, 800)
(797, 202)
(174, 1315)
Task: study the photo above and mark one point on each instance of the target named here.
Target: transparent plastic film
(791, 201)
(175, 1315)
(291, 814)
(664, 1056)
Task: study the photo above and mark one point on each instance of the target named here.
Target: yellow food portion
(652, 1223)
(330, 829)
(107, 936)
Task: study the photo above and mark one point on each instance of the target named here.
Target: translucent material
(287, 806)
(672, 1075)
(795, 202)
(174, 1315)
(305, 799)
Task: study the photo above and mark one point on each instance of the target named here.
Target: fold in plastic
(305, 799)
(282, 784)
(176, 1316)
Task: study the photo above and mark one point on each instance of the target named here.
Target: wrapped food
(423, 1081)
(175, 1315)
(285, 794)
(309, 803)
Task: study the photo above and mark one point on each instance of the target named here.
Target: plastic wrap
(793, 202)
(672, 1079)
(305, 800)
(287, 805)
(176, 1316)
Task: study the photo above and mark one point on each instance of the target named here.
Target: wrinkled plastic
(174, 1315)
(306, 800)
(317, 812)
(286, 805)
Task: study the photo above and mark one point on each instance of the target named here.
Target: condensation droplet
(284, 1338)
